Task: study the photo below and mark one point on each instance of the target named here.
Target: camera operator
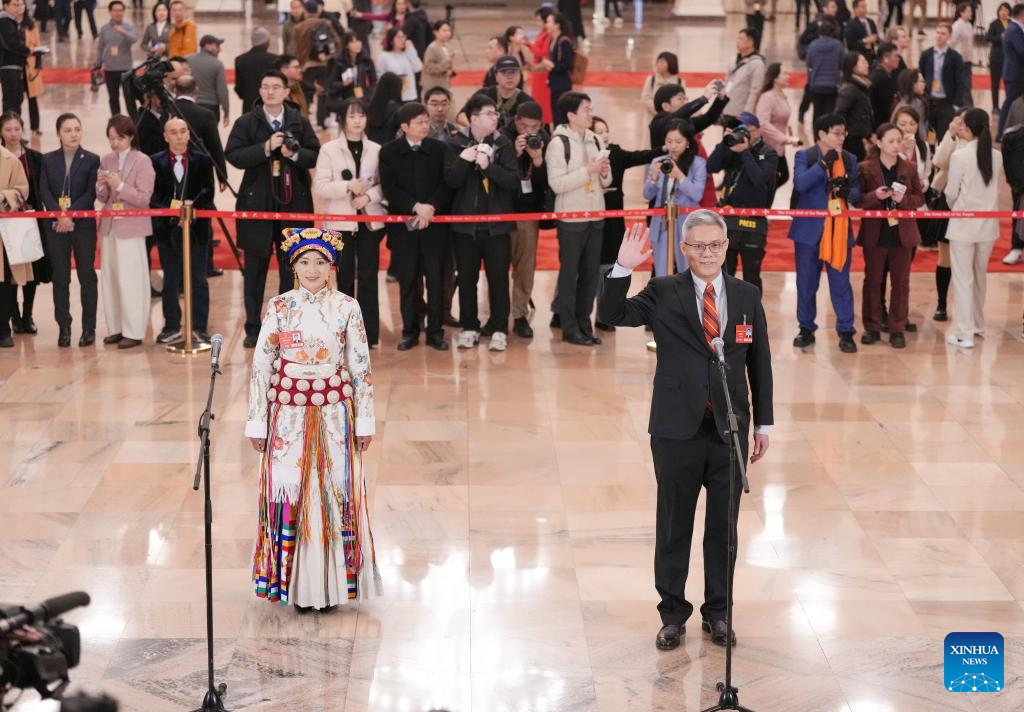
(158, 76)
(526, 132)
(480, 168)
(13, 54)
(276, 148)
(203, 122)
(750, 167)
(824, 178)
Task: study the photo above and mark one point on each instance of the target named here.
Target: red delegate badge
(744, 333)
(291, 339)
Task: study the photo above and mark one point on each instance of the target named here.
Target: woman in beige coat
(437, 60)
(33, 75)
(13, 191)
(975, 174)
(347, 182)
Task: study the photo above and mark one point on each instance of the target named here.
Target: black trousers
(805, 6)
(254, 278)
(12, 82)
(579, 260)
(940, 113)
(112, 78)
(752, 258)
(172, 260)
(823, 102)
(358, 265)
(62, 17)
(8, 306)
(59, 248)
(895, 10)
(681, 468)
(415, 254)
(213, 109)
(995, 75)
(85, 6)
(496, 253)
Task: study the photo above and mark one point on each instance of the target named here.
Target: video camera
(39, 662)
(151, 79)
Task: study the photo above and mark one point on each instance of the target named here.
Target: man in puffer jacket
(824, 61)
(578, 172)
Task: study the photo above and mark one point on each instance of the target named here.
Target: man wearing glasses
(824, 178)
(276, 147)
(688, 425)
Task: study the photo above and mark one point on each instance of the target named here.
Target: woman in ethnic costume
(311, 417)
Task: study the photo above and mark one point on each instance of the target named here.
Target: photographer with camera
(276, 148)
(751, 167)
(526, 132)
(506, 92)
(824, 178)
(480, 168)
(670, 103)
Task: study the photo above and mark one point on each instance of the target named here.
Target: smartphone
(899, 188)
(602, 154)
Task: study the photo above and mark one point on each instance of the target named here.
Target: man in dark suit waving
(688, 424)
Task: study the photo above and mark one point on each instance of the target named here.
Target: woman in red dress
(541, 49)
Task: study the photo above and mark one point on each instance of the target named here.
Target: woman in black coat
(853, 103)
(994, 37)
(350, 73)
(382, 112)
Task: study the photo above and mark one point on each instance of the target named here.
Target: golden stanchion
(187, 347)
(671, 213)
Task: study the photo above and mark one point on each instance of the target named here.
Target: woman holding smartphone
(888, 182)
(680, 174)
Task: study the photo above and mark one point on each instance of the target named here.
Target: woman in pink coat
(124, 182)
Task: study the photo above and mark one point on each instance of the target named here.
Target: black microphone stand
(728, 695)
(212, 702)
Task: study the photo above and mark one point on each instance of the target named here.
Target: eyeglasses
(711, 247)
(488, 114)
(271, 87)
(838, 132)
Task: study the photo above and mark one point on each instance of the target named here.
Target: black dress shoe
(17, 325)
(250, 342)
(451, 321)
(898, 341)
(717, 631)
(846, 344)
(408, 342)
(870, 337)
(911, 327)
(556, 321)
(29, 325)
(521, 327)
(940, 315)
(594, 340)
(804, 339)
(304, 610)
(88, 338)
(64, 337)
(437, 343)
(669, 636)
(578, 338)
(112, 339)
(604, 327)
(6, 342)
(127, 343)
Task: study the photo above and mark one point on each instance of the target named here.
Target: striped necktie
(710, 319)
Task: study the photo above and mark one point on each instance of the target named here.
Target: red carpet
(779, 256)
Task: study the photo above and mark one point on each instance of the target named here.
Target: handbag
(22, 242)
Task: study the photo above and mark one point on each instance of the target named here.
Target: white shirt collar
(701, 285)
(271, 117)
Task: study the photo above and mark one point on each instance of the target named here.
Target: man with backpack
(824, 178)
(1012, 148)
(578, 172)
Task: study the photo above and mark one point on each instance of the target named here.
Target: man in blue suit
(1013, 62)
(825, 177)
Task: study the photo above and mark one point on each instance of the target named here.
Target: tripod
(212, 702)
(728, 695)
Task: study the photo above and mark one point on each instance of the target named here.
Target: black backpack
(549, 195)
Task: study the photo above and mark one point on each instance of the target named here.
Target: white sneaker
(1014, 257)
(618, 22)
(954, 340)
(499, 342)
(467, 339)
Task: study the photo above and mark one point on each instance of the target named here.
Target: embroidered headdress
(299, 239)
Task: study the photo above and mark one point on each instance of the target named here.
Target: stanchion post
(187, 347)
(671, 214)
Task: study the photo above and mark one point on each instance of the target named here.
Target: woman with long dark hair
(853, 102)
(773, 111)
(975, 175)
(684, 173)
(12, 129)
(559, 62)
(518, 47)
(13, 189)
(887, 182)
(399, 57)
(994, 36)
(910, 88)
(962, 40)
(382, 111)
(350, 73)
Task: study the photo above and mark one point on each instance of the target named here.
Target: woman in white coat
(975, 174)
(124, 182)
(347, 181)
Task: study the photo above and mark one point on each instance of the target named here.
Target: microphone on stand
(718, 346)
(216, 341)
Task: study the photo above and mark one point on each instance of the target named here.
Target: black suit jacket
(408, 177)
(952, 74)
(198, 188)
(686, 368)
(883, 94)
(81, 183)
(204, 124)
(249, 68)
(855, 34)
(260, 190)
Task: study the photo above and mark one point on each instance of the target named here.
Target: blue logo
(974, 662)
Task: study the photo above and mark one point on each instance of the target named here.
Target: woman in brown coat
(13, 191)
(33, 75)
(888, 182)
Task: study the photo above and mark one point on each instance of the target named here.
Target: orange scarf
(834, 236)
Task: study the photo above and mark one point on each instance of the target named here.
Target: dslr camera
(665, 166)
(534, 141)
(737, 136)
(839, 185)
(291, 143)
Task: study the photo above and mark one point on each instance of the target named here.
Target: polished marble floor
(513, 503)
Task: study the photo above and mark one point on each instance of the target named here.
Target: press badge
(64, 202)
(117, 205)
(114, 50)
(176, 204)
(290, 339)
(835, 207)
(358, 92)
(526, 186)
(893, 222)
(744, 333)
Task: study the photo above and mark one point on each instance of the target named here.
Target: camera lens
(666, 166)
